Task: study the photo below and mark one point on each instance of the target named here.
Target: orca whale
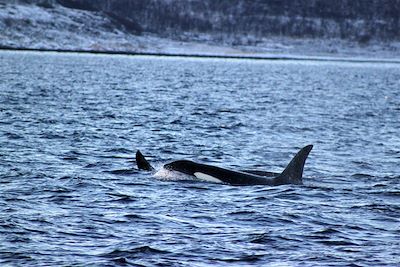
(292, 174)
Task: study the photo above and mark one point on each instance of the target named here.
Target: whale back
(292, 174)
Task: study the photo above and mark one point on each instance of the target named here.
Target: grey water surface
(70, 194)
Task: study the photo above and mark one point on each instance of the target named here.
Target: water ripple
(71, 194)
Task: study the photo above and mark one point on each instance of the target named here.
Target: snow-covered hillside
(53, 26)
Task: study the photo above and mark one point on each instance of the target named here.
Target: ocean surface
(71, 195)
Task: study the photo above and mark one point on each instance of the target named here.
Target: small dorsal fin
(142, 163)
(293, 172)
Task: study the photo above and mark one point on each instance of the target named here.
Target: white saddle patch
(206, 177)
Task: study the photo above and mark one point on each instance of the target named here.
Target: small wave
(122, 198)
(231, 126)
(243, 212)
(324, 234)
(380, 185)
(259, 198)
(327, 231)
(177, 122)
(387, 209)
(13, 136)
(245, 258)
(97, 164)
(107, 116)
(5, 122)
(194, 186)
(362, 175)
(122, 261)
(123, 171)
(11, 256)
(391, 193)
(136, 252)
(70, 158)
(61, 199)
(47, 121)
(363, 164)
(119, 150)
(52, 136)
(226, 110)
(134, 216)
(57, 189)
(263, 238)
(72, 155)
(337, 243)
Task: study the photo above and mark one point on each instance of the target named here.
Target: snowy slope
(38, 27)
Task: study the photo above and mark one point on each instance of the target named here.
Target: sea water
(70, 193)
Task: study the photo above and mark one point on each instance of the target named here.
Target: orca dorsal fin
(293, 173)
(142, 163)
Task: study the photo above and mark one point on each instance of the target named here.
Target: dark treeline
(360, 20)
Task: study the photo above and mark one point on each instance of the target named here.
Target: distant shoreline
(37, 28)
(271, 57)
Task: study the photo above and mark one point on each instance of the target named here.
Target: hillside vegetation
(203, 26)
(358, 20)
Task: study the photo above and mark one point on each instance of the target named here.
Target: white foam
(164, 174)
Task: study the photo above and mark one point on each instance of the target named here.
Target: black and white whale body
(292, 174)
